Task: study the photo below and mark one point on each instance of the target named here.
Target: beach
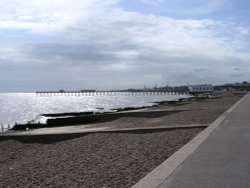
(114, 159)
(203, 111)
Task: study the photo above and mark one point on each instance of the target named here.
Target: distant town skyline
(119, 44)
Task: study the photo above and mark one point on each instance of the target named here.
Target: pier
(107, 93)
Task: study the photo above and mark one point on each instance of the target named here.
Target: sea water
(24, 107)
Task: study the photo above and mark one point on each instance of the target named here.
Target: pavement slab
(216, 157)
(222, 160)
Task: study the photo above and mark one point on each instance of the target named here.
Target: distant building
(206, 88)
(244, 86)
(184, 89)
(220, 89)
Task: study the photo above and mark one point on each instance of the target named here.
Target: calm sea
(24, 107)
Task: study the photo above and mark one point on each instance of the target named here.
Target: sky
(118, 44)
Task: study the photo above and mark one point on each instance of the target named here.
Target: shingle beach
(106, 159)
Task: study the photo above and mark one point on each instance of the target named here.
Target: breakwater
(25, 107)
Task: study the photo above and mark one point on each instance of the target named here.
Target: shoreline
(41, 118)
(92, 118)
(106, 159)
(76, 118)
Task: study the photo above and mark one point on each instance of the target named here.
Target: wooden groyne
(92, 118)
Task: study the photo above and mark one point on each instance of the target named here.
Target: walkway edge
(156, 177)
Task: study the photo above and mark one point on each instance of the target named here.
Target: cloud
(46, 16)
(152, 2)
(98, 44)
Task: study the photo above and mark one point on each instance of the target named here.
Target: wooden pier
(108, 93)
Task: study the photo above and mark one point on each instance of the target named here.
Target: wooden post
(2, 127)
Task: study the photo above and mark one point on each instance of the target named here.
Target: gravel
(105, 159)
(95, 160)
(196, 112)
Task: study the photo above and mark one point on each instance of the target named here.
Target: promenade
(221, 160)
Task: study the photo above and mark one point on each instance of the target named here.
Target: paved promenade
(223, 159)
(217, 157)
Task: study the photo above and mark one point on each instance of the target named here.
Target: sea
(23, 107)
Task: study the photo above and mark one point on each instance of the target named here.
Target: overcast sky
(116, 44)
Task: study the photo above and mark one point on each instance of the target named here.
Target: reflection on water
(23, 107)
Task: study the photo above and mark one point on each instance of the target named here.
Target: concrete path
(87, 129)
(223, 159)
(216, 157)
